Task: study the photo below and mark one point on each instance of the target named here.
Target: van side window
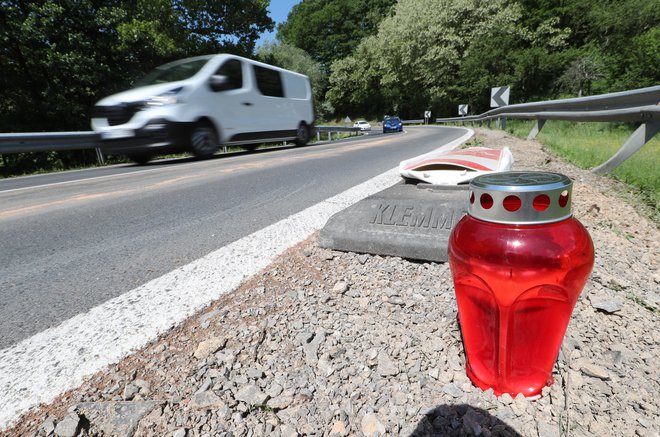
(269, 81)
(234, 72)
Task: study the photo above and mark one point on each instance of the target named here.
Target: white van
(197, 104)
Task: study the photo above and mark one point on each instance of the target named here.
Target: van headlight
(168, 98)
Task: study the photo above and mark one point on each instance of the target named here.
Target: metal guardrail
(640, 105)
(48, 141)
(330, 129)
(61, 141)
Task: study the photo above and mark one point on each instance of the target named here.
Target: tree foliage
(331, 29)
(436, 54)
(59, 57)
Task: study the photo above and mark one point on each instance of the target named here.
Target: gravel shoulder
(331, 343)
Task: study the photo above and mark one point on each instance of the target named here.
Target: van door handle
(247, 103)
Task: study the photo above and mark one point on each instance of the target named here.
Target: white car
(363, 125)
(197, 104)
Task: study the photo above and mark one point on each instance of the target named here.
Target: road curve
(72, 244)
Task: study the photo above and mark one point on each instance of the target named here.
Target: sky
(277, 11)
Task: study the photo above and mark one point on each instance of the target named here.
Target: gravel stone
(386, 366)
(371, 426)
(48, 425)
(208, 347)
(340, 287)
(609, 306)
(251, 395)
(69, 426)
(206, 400)
(595, 372)
(181, 432)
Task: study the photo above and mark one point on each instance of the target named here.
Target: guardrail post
(641, 136)
(536, 129)
(99, 156)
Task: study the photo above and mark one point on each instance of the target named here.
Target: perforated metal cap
(521, 197)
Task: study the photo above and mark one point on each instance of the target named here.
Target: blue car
(392, 124)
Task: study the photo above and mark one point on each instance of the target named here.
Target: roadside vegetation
(588, 145)
(364, 57)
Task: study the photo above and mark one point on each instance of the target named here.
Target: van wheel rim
(302, 133)
(203, 141)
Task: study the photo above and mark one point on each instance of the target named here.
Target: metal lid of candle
(521, 197)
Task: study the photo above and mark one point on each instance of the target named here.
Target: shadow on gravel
(461, 420)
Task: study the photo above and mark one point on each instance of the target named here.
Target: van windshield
(173, 72)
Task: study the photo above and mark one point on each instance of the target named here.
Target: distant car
(392, 124)
(363, 125)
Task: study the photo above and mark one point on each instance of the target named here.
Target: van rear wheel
(302, 134)
(140, 159)
(203, 141)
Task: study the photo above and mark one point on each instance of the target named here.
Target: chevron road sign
(499, 96)
(462, 109)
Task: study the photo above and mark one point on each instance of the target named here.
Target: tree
(434, 54)
(331, 29)
(231, 25)
(580, 74)
(59, 57)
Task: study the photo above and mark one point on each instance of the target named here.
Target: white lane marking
(39, 368)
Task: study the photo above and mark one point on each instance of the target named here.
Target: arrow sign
(462, 109)
(499, 96)
(427, 114)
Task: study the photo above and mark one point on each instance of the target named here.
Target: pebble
(208, 347)
(609, 306)
(595, 372)
(340, 287)
(206, 400)
(338, 429)
(181, 432)
(251, 395)
(371, 426)
(386, 366)
(69, 426)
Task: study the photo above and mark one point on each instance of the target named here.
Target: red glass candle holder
(519, 261)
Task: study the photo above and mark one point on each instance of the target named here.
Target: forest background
(365, 58)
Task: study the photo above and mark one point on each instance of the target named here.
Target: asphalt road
(73, 240)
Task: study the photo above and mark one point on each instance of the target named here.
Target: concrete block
(406, 220)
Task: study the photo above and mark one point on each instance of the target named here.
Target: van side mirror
(219, 82)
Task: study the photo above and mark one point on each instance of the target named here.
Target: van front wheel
(302, 134)
(203, 141)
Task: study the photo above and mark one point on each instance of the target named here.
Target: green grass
(588, 145)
